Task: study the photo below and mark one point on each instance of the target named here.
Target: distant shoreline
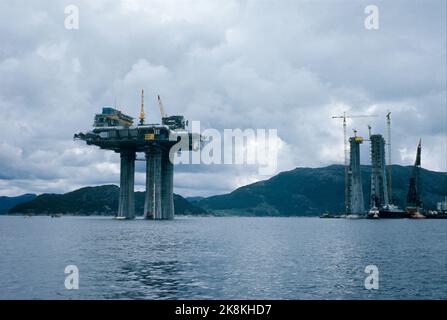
(199, 216)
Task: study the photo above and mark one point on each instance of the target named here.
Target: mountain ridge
(98, 200)
(7, 203)
(302, 191)
(311, 191)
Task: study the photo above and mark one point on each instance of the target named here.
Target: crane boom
(162, 109)
(356, 116)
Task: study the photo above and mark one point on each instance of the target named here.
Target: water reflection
(228, 258)
(148, 280)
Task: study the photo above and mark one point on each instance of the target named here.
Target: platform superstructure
(113, 130)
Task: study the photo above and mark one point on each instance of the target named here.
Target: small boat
(326, 215)
(414, 213)
(417, 215)
(120, 218)
(373, 213)
(56, 215)
(333, 215)
(354, 216)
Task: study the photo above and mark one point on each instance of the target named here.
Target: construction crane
(345, 144)
(174, 122)
(388, 123)
(142, 108)
(162, 109)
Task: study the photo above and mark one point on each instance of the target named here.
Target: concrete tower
(379, 187)
(355, 190)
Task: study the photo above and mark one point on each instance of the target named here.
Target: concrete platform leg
(157, 183)
(126, 206)
(149, 196)
(167, 187)
(152, 203)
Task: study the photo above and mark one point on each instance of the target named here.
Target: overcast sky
(288, 65)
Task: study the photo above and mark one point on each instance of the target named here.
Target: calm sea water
(222, 258)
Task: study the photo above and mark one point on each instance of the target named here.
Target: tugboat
(373, 213)
(414, 213)
(391, 211)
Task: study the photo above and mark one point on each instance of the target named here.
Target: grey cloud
(233, 64)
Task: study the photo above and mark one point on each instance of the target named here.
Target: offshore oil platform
(381, 199)
(113, 130)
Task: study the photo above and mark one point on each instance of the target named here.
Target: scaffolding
(379, 186)
(355, 190)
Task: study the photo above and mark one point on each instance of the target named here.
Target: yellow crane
(356, 137)
(345, 144)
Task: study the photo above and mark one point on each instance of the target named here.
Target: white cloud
(230, 64)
